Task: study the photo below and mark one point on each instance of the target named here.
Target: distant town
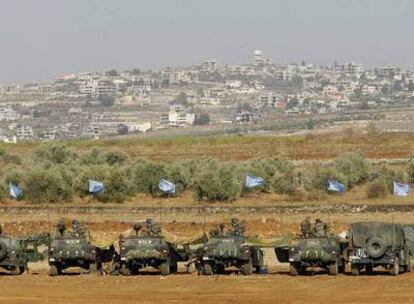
(92, 105)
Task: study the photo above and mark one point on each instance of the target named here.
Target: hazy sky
(42, 39)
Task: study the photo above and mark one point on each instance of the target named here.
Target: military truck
(13, 257)
(374, 244)
(151, 249)
(229, 249)
(322, 252)
(72, 249)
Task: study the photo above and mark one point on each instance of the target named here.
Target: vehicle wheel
(3, 250)
(54, 271)
(207, 269)
(220, 269)
(294, 269)
(247, 268)
(125, 270)
(174, 267)
(355, 270)
(376, 247)
(333, 268)
(395, 267)
(408, 266)
(165, 269)
(23, 269)
(341, 268)
(369, 269)
(15, 270)
(94, 269)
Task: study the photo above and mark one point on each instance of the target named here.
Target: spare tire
(376, 247)
(3, 250)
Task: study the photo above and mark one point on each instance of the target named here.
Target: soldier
(137, 228)
(306, 227)
(238, 227)
(61, 228)
(77, 229)
(320, 229)
(152, 228)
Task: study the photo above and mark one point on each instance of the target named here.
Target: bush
(115, 158)
(47, 185)
(316, 176)
(377, 188)
(182, 173)
(277, 172)
(57, 154)
(218, 182)
(353, 167)
(146, 176)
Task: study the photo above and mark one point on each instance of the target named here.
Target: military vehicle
(149, 249)
(229, 249)
(321, 252)
(72, 249)
(13, 255)
(373, 244)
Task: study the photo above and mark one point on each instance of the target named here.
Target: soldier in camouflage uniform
(238, 227)
(61, 228)
(152, 228)
(77, 229)
(306, 227)
(320, 229)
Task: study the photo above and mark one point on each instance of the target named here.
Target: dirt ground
(189, 288)
(276, 287)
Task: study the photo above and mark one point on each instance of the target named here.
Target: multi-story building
(24, 132)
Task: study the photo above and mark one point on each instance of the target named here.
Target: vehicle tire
(207, 269)
(294, 269)
(333, 268)
(3, 250)
(369, 269)
(408, 267)
(247, 268)
(125, 271)
(165, 268)
(174, 267)
(341, 268)
(395, 267)
(54, 270)
(355, 270)
(15, 270)
(376, 247)
(220, 269)
(94, 269)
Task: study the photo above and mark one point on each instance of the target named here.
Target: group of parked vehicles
(366, 246)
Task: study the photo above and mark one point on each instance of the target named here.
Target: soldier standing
(61, 228)
(320, 229)
(306, 227)
(238, 227)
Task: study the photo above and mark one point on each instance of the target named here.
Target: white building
(24, 132)
(8, 114)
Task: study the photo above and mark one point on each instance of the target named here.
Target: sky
(43, 39)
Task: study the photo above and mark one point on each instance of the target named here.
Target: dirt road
(190, 288)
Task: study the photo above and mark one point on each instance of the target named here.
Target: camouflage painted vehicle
(374, 244)
(225, 250)
(13, 255)
(322, 252)
(150, 249)
(72, 249)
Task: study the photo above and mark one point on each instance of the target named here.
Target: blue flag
(166, 186)
(253, 181)
(335, 186)
(95, 187)
(401, 189)
(15, 191)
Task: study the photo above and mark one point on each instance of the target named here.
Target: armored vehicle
(13, 255)
(229, 249)
(322, 252)
(373, 244)
(149, 248)
(72, 249)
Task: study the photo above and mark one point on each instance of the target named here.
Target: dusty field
(189, 288)
(276, 287)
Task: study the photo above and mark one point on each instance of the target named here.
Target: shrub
(146, 176)
(47, 185)
(57, 154)
(115, 158)
(182, 173)
(277, 172)
(316, 176)
(218, 182)
(353, 167)
(377, 188)
(94, 157)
